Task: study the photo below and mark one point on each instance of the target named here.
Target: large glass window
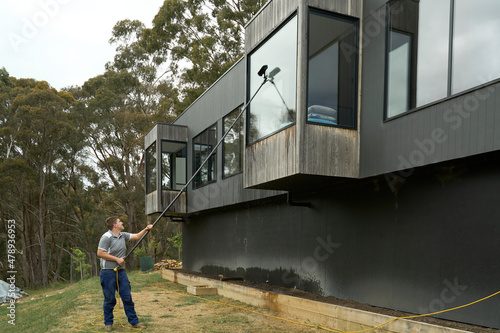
(233, 144)
(398, 81)
(274, 107)
(203, 145)
(331, 94)
(151, 168)
(173, 165)
(476, 43)
(439, 48)
(433, 50)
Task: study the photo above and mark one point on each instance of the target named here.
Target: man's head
(114, 222)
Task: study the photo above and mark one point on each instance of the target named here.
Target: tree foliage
(37, 137)
(71, 158)
(191, 44)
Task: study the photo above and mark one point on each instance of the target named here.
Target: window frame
(248, 93)
(355, 22)
(161, 164)
(214, 156)
(450, 66)
(241, 122)
(387, 70)
(154, 171)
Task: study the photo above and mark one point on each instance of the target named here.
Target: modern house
(367, 165)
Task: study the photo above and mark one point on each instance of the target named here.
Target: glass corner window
(151, 168)
(274, 107)
(173, 165)
(233, 144)
(436, 49)
(398, 73)
(203, 144)
(332, 69)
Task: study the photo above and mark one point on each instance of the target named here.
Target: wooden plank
(172, 132)
(270, 159)
(180, 206)
(346, 7)
(262, 25)
(330, 151)
(152, 203)
(325, 314)
(202, 290)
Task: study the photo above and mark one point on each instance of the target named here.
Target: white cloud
(64, 42)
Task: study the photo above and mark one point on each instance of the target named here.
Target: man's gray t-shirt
(114, 246)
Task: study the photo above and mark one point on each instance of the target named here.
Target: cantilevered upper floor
(353, 89)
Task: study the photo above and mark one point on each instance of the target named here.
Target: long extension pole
(201, 166)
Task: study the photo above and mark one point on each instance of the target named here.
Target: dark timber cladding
(272, 15)
(303, 148)
(273, 157)
(466, 125)
(457, 126)
(275, 12)
(336, 148)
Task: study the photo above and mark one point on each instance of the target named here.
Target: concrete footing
(327, 315)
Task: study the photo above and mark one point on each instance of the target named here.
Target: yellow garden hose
(332, 330)
(288, 320)
(118, 301)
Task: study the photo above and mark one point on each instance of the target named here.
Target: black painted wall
(423, 244)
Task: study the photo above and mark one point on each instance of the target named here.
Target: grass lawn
(161, 306)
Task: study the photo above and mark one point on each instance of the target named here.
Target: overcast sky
(64, 42)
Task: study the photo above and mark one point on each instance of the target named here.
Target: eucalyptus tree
(36, 133)
(194, 42)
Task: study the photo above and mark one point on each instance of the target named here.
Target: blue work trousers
(109, 287)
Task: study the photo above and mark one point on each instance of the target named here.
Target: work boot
(109, 327)
(138, 326)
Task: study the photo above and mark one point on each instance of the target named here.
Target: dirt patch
(167, 307)
(162, 309)
(348, 303)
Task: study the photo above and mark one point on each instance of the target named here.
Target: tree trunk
(41, 231)
(57, 270)
(24, 246)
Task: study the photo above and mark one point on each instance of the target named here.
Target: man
(112, 250)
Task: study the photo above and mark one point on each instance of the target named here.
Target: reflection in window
(274, 107)
(202, 147)
(402, 50)
(398, 80)
(233, 144)
(151, 168)
(433, 50)
(476, 43)
(435, 70)
(173, 165)
(332, 70)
